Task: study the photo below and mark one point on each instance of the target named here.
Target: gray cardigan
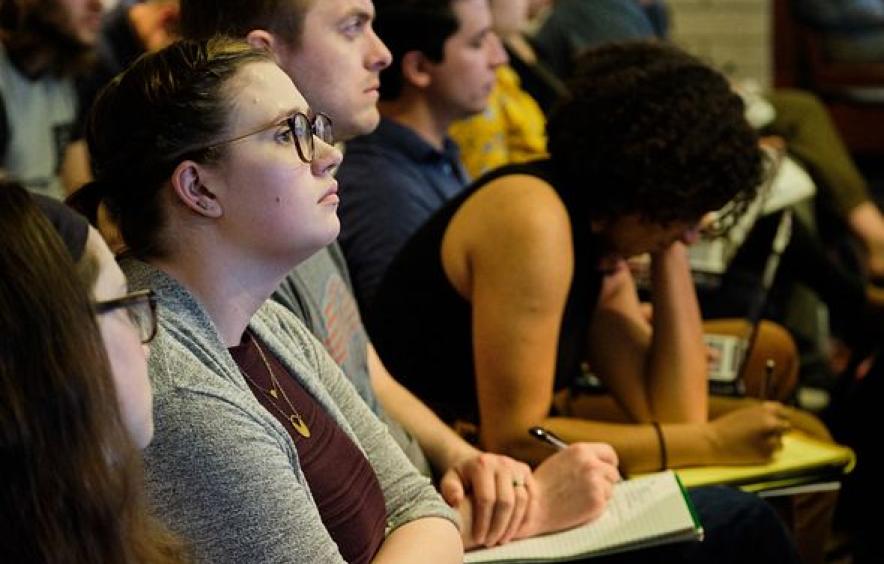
(221, 470)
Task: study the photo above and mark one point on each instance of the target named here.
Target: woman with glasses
(75, 401)
(219, 178)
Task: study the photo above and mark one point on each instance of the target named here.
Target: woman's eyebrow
(284, 115)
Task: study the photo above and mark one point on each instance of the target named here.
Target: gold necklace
(297, 422)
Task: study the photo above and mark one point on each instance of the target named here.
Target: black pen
(769, 368)
(548, 437)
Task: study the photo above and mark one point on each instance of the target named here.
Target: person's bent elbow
(431, 540)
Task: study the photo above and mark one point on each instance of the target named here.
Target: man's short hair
(651, 130)
(412, 25)
(201, 19)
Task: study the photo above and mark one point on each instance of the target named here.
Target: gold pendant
(273, 393)
(299, 426)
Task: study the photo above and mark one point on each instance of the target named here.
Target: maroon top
(343, 483)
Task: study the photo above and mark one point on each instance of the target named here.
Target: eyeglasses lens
(303, 136)
(142, 315)
(304, 132)
(322, 128)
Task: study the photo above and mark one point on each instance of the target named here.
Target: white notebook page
(641, 511)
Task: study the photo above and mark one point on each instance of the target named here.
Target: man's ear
(155, 24)
(189, 187)
(170, 17)
(416, 69)
(263, 39)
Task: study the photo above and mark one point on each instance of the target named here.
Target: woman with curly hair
(75, 402)
(496, 303)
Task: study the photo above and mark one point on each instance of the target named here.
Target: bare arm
(567, 489)
(677, 368)
(508, 250)
(478, 484)
(444, 448)
(659, 373)
(745, 436)
(520, 266)
(417, 540)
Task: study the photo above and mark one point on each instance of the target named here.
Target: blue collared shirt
(391, 182)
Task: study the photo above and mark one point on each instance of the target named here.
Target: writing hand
(573, 487)
(749, 435)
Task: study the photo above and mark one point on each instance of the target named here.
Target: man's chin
(472, 111)
(363, 124)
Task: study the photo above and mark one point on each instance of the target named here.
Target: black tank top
(422, 327)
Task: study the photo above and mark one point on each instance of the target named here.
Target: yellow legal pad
(802, 460)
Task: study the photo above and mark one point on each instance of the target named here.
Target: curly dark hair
(652, 131)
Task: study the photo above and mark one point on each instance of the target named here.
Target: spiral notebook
(643, 512)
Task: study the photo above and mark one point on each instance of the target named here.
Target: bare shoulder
(521, 199)
(516, 221)
(517, 206)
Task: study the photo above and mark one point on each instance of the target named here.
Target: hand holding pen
(550, 438)
(574, 483)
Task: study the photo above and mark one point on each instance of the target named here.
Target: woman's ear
(188, 184)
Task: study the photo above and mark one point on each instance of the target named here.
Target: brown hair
(412, 25)
(168, 106)
(202, 19)
(70, 473)
(29, 31)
